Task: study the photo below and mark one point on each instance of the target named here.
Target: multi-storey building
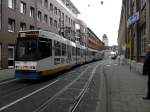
(134, 30)
(93, 41)
(58, 16)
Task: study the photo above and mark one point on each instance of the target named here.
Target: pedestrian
(146, 70)
(118, 57)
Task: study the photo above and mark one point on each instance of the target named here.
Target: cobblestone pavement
(125, 89)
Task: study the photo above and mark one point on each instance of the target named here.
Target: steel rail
(45, 104)
(82, 93)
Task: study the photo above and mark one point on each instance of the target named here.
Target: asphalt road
(74, 91)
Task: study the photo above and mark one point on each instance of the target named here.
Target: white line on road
(20, 99)
(5, 82)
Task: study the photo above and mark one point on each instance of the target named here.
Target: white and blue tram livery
(40, 53)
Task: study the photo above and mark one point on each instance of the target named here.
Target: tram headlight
(34, 67)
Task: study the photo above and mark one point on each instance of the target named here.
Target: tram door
(69, 54)
(10, 56)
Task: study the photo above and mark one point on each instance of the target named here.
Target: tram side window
(73, 51)
(78, 51)
(69, 50)
(81, 52)
(45, 47)
(57, 48)
(63, 49)
(93, 53)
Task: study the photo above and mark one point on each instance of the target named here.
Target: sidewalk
(6, 74)
(126, 89)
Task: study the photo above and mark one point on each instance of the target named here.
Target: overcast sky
(102, 19)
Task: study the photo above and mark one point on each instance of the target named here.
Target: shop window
(32, 27)
(22, 26)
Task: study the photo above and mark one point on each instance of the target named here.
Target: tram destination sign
(29, 34)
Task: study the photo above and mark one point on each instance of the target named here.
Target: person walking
(146, 70)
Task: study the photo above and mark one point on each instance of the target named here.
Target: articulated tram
(40, 53)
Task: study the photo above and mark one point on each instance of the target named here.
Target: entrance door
(10, 56)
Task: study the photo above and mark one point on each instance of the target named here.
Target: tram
(40, 53)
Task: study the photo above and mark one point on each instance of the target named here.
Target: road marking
(5, 82)
(28, 95)
(107, 65)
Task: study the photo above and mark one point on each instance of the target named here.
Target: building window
(62, 16)
(45, 18)
(55, 23)
(59, 13)
(55, 10)
(31, 12)
(11, 25)
(23, 7)
(46, 3)
(51, 7)
(22, 26)
(143, 2)
(39, 15)
(31, 27)
(66, 18)
(69, 20)
(51, 21)
(11, 4)
(40, 1)
(143, 40)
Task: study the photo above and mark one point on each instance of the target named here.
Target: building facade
(134, 30)
(93, 41)
(58, 16)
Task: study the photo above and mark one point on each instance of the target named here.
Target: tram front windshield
(26, 49)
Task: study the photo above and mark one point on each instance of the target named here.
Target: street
(105, 86)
